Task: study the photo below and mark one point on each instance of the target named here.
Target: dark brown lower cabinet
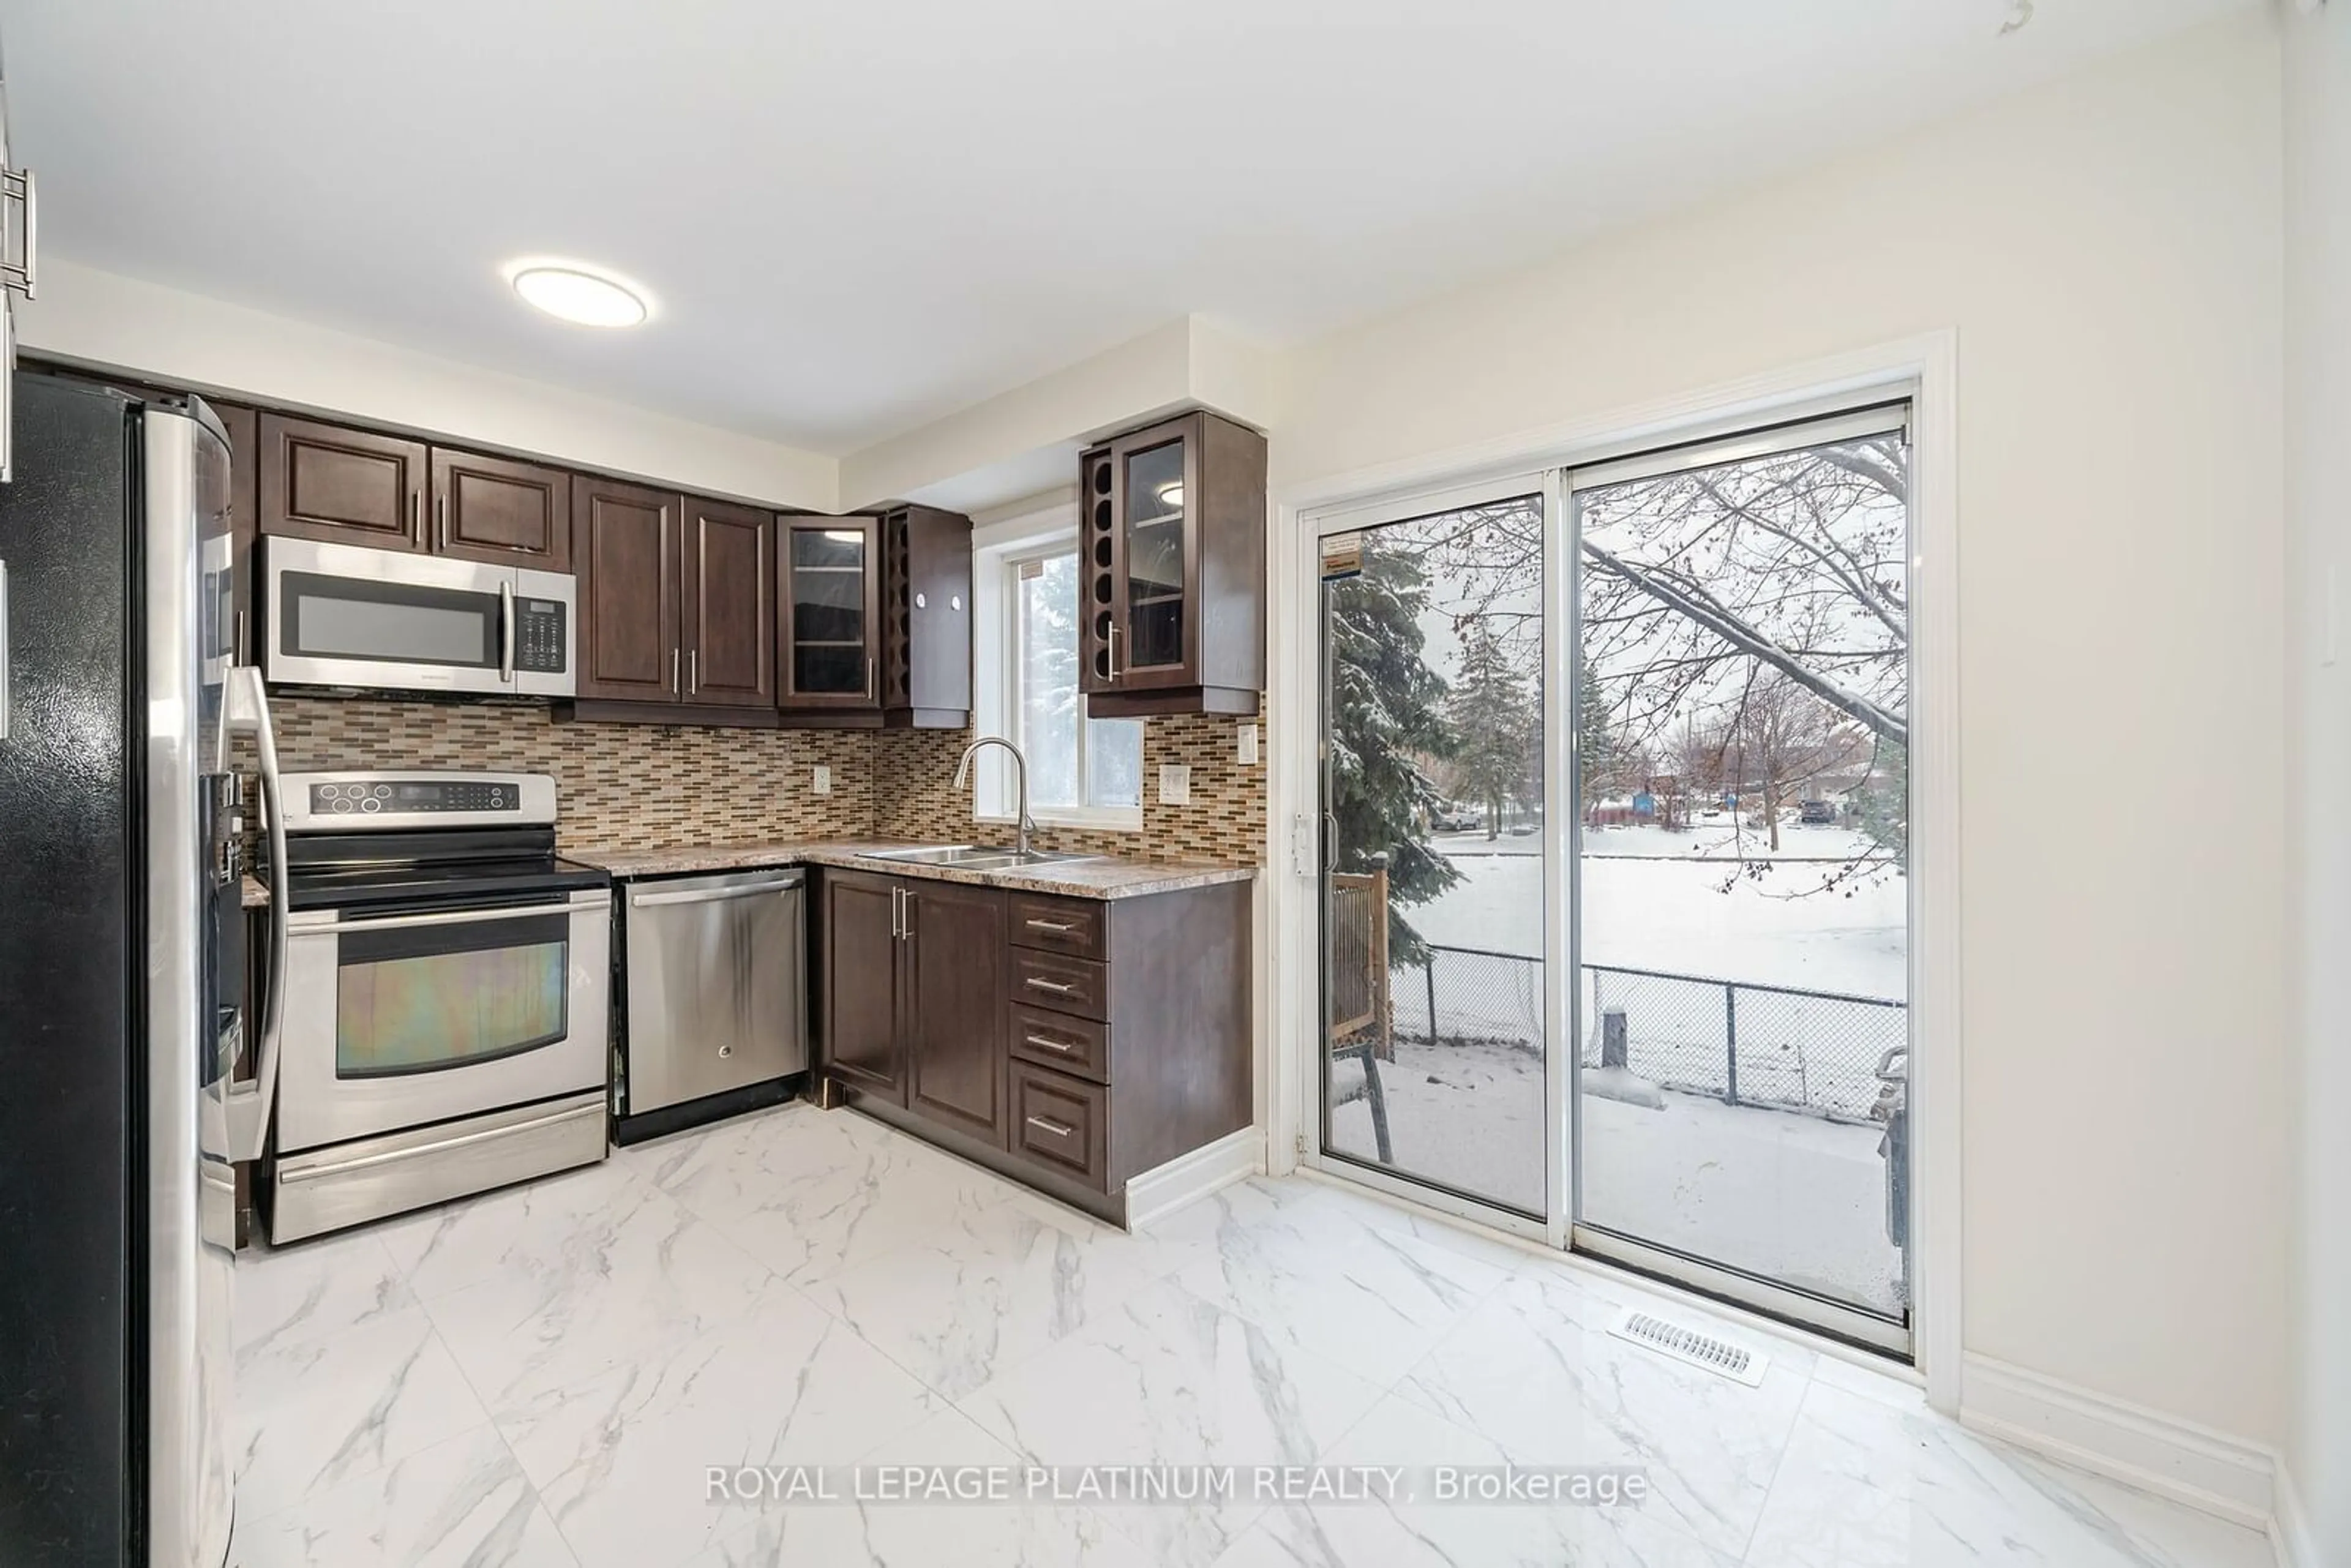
(858, 962)
(952, 957)
(1071, 1043)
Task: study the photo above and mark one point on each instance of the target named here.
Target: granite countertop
(257, 896)
(1107, 877)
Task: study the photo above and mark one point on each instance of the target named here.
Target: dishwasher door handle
(711, 894)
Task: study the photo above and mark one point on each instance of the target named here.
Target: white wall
(127, 325)
(1028, 440)
(2108, 250)
(2318, 533)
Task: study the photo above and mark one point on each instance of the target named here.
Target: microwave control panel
(542, 636)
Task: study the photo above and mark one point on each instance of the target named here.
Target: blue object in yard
(1644, 804)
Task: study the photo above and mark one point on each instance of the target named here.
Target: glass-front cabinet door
(1156, 586)
(1140, 538)
(831, 620)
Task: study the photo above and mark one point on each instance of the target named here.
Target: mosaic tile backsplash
(628, 785)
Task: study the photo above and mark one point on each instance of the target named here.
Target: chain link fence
(1815, 1052)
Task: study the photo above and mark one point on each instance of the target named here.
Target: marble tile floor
(543, 1376)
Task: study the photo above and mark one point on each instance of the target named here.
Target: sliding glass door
(1434, 1067)
(1741, 882)
(1615, 901)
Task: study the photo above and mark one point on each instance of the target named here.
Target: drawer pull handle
(1046, 1124)
(1062, 927)
(1049, 1043)
(1056, 986)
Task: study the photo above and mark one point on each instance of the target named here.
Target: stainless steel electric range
(446, 997)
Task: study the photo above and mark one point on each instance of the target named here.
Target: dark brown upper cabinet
(1172, 549)
(875, 624)
(829, 594)
(496, 510)
(625, 550)
(344, 486)
(727, 609)
(677, 603)
(328, 482)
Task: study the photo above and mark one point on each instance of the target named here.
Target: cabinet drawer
(1056, 1039)
(1072, 925)
(1077, 985)
(1062, 1124)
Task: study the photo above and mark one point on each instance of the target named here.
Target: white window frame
(999, 551)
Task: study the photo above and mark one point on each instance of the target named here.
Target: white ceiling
(857, 215)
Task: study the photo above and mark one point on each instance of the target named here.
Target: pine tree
(1595, 736)
(1492, 724)
(1384, 713)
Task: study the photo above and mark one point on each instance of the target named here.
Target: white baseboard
(1187, 1179)
(2290, 1533)
(2224, 1476)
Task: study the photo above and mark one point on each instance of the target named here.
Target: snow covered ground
(1792, 1196)
(1648, 904)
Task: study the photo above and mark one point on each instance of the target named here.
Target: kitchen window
(1082, 771)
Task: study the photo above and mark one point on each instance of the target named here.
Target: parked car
(1817, 813)
(1451, 816)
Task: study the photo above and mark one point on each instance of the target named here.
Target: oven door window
(422, 998)
(388, 622)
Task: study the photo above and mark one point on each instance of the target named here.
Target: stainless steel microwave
(343, 615)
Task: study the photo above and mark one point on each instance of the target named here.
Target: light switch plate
(822, 784)
(1175, 784)
(1248, 742)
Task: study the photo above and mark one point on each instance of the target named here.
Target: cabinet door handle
(1048, 1042)
(441, 521)
(1046, 1124)
(416, 518)
(1056, 986)
(1114, 653)
(1062, 926)
(694, 672)
(869, 678)
(672, 671)
(236, 650)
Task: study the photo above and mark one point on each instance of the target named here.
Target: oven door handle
(245, 711)
(582, 903)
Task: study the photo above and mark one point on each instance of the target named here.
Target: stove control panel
(414, 795)
(316, 802)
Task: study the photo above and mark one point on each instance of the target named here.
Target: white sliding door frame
(1923, 369)
(1542, 484)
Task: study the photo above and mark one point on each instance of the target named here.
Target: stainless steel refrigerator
(120, 981)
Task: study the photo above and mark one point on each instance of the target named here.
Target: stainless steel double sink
(972, 857)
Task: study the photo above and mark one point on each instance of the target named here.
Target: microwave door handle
(506, 632)
(246, 707)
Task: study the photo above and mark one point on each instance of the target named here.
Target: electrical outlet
(1249, 742)
(822, 784)
(1175, 784)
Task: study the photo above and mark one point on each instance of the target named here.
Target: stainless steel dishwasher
(716, 975)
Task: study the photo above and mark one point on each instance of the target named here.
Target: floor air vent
(1687, 1345)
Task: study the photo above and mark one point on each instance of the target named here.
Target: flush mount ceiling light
(570, 292)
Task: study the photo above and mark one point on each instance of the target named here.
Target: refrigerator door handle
(247, 710)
